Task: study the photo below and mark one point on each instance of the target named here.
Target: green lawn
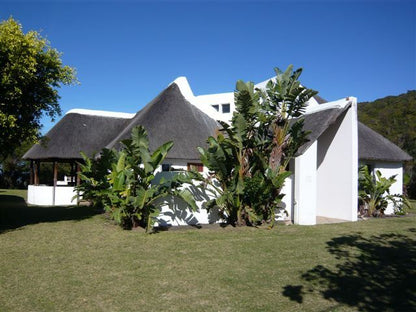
(18, 193)
(413, 209)
(70, 259)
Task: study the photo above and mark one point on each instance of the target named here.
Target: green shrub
(374, 192)
(124, 182)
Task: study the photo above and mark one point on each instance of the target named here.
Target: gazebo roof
(168, 117)
(74, 133)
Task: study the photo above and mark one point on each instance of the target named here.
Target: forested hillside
(395, 118)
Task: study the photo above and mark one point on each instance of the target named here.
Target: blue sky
(126, 52)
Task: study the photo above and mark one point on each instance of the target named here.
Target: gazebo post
(72, 172)
(78, 180)
(31, 172)
(78, 177)
(36, 169)
(55, 179)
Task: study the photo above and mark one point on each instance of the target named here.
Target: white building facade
(319, 185)
(324, 180)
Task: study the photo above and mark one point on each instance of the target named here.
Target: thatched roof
(170, 117)
(373, 146)
(317, 123)
(75, 133)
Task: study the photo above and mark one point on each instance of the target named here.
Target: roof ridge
(100, 113)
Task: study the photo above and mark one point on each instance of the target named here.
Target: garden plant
(123, 182)
(374, 193)
(249, 158)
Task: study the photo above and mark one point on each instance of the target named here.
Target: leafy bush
(95, 184)
(124, 182)
(374, 192)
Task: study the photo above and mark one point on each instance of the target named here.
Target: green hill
(395, 118)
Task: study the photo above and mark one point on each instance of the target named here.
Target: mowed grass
(71, 259)
(18, 193)
(413, 204)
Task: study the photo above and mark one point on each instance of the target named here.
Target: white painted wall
(389, 169)
(205, 102)
(287, 201)
(64, 195)
(337, 168)
(176, 212)
(305, 196)
(42, 195)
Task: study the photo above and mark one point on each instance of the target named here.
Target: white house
(319, 186)
(324, 180)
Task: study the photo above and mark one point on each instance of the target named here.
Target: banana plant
(94, 184)
(249, 157)
(136, 197)
(132, 196)
(374, 191)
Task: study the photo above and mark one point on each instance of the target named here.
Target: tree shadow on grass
(15, 213)
(375, 274)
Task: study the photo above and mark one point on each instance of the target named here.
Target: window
(196, 166)
(370, 167)
(371, 170)
(216, 107)
(165, 167)
(225, 108)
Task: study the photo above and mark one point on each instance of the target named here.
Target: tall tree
(14, 172)
(31, 72)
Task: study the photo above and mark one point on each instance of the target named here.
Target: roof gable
(317, 123)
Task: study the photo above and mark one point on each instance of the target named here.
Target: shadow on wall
(15, 213)
(177, 212)
(375, 274)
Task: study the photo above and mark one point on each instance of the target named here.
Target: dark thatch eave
(373, 146)
(317, 123)
(75, 133)
(170, 117)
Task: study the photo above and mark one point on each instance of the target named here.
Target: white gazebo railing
(60, 193)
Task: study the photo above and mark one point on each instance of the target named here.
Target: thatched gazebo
(79, 130)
